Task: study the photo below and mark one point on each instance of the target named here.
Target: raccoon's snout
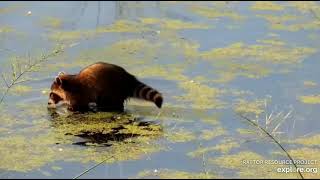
(51, 104)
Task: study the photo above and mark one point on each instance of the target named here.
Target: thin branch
(314, 14)
(86, 171)
(4, 79)
(266, 132)
(204, 162)
(283, 119)
(22, 81)
(28, 68)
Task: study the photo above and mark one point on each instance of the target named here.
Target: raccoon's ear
(58, 80)
(61, 73)
(64, 82)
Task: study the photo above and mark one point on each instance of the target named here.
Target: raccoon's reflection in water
(104, 128)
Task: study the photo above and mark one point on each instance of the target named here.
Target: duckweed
(310, 99)
(212, 12)
(168, 174)
(267, 5)
(52, 22)
(210, 134)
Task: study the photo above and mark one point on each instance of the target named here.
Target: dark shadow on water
(103, 128)
(114, 136)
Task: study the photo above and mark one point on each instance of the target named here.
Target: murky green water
(211, 61)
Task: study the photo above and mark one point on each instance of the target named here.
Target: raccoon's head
(57, 96)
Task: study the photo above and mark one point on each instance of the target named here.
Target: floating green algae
(144, 56)
(304, 7)
(213, 133)
(11, 121)
(200, 152)
(269, 56)
(226, 145)
(169, 174)
(293, 23)
(235, 161)
(34, 111)
(56, 168)
(255, 107)
(36, 152)
(246, 131)
(310, 99)
(20, 89)
(305, 154)
(201, 95)
(125, 53)
(309, 141)
(121, 137)
(267, 5)
(275, 42)
(313, 25)
(180, 135)
(19, 154)
(213, 12)
(248, 164)
(70, 35)
(52, 22)
(189, 49)
(223, 147)
(229, 71)
(6, 29)
(121, 26)
(274, 19)
(210, 119)
(173, 24)
(124, 26)
(117, 26)
(265, 52)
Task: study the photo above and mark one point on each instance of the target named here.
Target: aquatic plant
(310, 99)
(273, 138)
(22, 67)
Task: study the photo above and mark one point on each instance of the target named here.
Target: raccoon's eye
(51, 95)
(55, 97)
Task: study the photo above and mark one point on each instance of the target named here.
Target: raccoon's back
(112, 82)
(108, 79)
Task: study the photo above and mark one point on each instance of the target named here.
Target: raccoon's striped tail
(143, 91)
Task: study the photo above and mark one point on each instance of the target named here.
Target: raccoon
(106, 86)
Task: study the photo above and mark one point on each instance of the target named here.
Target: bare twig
(28, 68)
(314, 14)
(86, 171)
(283, 119)
(267, 133)
(204, 162)
(4, 80)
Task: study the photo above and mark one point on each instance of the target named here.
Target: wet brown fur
(107, 85)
